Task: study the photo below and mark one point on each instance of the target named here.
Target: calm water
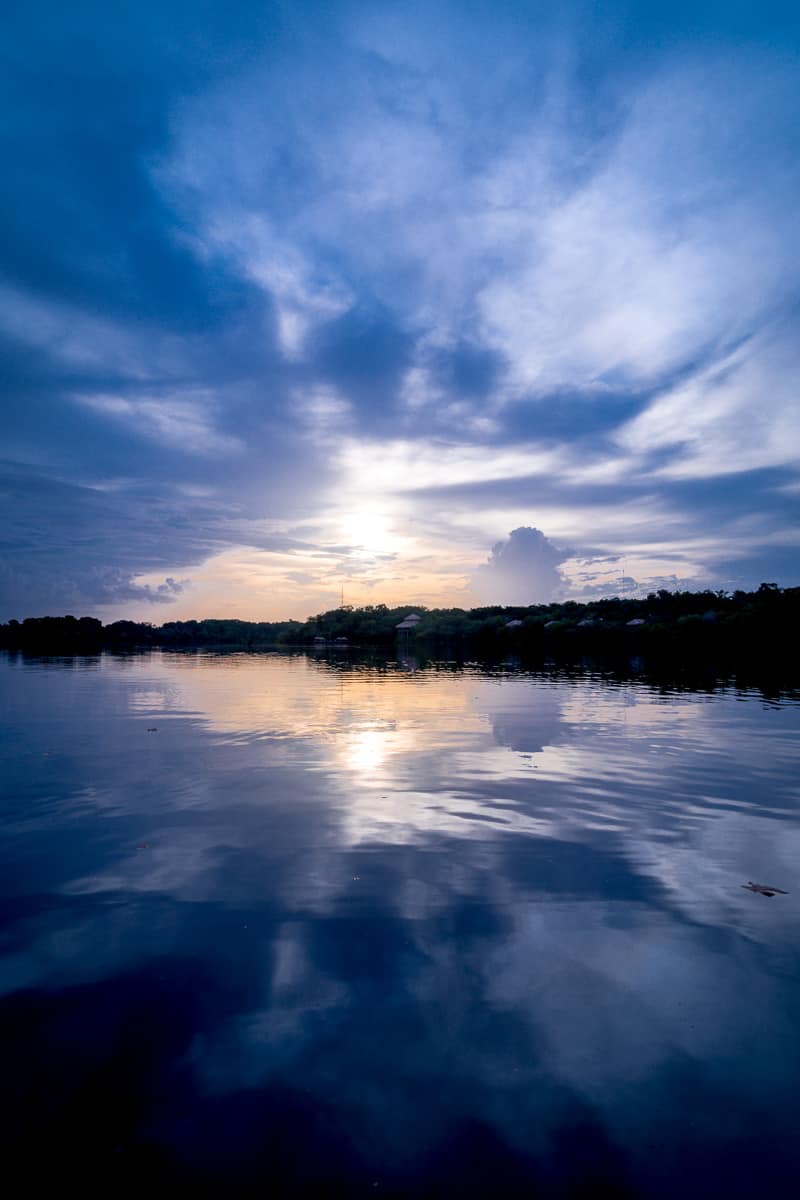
(345, 930)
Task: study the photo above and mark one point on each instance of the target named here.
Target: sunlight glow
(367, 749)
(369, 531)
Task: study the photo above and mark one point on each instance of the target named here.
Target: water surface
(282, 925)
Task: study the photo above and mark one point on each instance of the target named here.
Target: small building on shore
(408, 623)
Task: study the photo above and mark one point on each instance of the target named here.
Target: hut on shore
(408, 622)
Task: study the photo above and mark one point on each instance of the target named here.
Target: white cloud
(740, 414)
(629, 256)
(403, 465)
(524, 569)
(303, 296)
(185, 421)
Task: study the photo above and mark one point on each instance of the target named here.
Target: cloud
(699, 422)
(655, 255)
(67, 546)
(184, 422)
(589, 236)
(301, 577)
(113, 586)
(521, 570)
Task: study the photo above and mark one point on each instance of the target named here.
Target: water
(337, 929)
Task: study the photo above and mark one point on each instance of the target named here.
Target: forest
(740, 623)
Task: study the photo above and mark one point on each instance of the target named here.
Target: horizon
(466, 303)
(598, 600)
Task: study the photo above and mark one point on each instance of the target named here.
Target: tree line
(765, 620)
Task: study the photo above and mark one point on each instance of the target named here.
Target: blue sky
(440, 303)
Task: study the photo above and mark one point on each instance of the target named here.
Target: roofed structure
(409, 622)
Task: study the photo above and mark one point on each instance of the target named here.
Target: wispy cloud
(701, 421)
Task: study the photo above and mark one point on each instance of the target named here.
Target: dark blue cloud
(467, 370)
(568, 414)
(67, 546)
(92, 91)
(364, 353)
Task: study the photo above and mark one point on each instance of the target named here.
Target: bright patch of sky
(442, 304)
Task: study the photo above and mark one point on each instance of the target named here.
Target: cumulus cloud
(523, 569)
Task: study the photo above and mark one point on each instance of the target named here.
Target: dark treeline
(740, 624)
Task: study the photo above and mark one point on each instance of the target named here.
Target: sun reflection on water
(367, 748)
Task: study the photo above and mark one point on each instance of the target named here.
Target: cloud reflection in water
(494, 912)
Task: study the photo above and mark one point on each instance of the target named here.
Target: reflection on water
(344, 929)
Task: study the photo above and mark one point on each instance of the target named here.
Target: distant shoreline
(738, 625)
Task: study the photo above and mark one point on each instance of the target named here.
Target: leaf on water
(763, 890)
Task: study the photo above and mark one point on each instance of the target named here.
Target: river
(297, 925)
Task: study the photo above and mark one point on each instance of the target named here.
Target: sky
(426, 303)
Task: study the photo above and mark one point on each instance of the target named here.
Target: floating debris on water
(143, 846)
(762, 889)
(152, 729)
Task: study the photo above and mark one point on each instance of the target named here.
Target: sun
(368, 532)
